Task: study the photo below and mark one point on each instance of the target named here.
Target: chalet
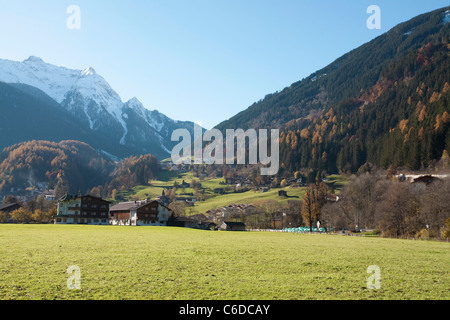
(140, 213)
(232, 226)
(8, 208)
(82, 210)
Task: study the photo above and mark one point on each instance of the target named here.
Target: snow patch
(409, 32)
(447, 17)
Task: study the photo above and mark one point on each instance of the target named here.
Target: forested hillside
(68, 166)
(386, 102)
(402, 121)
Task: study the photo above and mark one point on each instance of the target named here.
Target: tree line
(391, 208)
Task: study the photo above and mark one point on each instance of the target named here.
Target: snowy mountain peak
(135, 104)
(89, 97)
(34, 59)
(88, 72)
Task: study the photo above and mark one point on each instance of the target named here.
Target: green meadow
(167, 263)
(166, 179)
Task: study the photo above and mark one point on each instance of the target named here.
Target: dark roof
(94, 197)
(8, 205)
(230, 223)
(68, 197)
(123, 206)
(132, 205)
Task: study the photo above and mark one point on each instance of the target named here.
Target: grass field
(173, 263)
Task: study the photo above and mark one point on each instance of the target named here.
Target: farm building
(82, 210)
(195, 222)
(8, 208)
(183, 222)
(140, 213)
(232, 226)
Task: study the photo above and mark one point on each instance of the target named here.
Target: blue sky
(198, 60)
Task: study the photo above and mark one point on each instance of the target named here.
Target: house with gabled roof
(140, 213)
(77, 209)
(8, 208)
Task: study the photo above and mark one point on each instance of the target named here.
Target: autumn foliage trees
(314, 199)
(403, 120)
(67, 166)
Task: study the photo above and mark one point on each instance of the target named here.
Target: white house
(140, 213)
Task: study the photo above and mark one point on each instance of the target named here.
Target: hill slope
(67, 166)
(344, 115)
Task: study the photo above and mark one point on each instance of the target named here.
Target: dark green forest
(402, 121)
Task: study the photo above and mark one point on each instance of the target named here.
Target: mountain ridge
(90, 99)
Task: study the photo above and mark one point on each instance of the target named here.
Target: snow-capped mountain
(89, 97)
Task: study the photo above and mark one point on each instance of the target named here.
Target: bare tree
(436, 206)
(401, 211)
(360, 198)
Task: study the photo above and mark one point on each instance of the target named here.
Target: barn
(232, 226)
